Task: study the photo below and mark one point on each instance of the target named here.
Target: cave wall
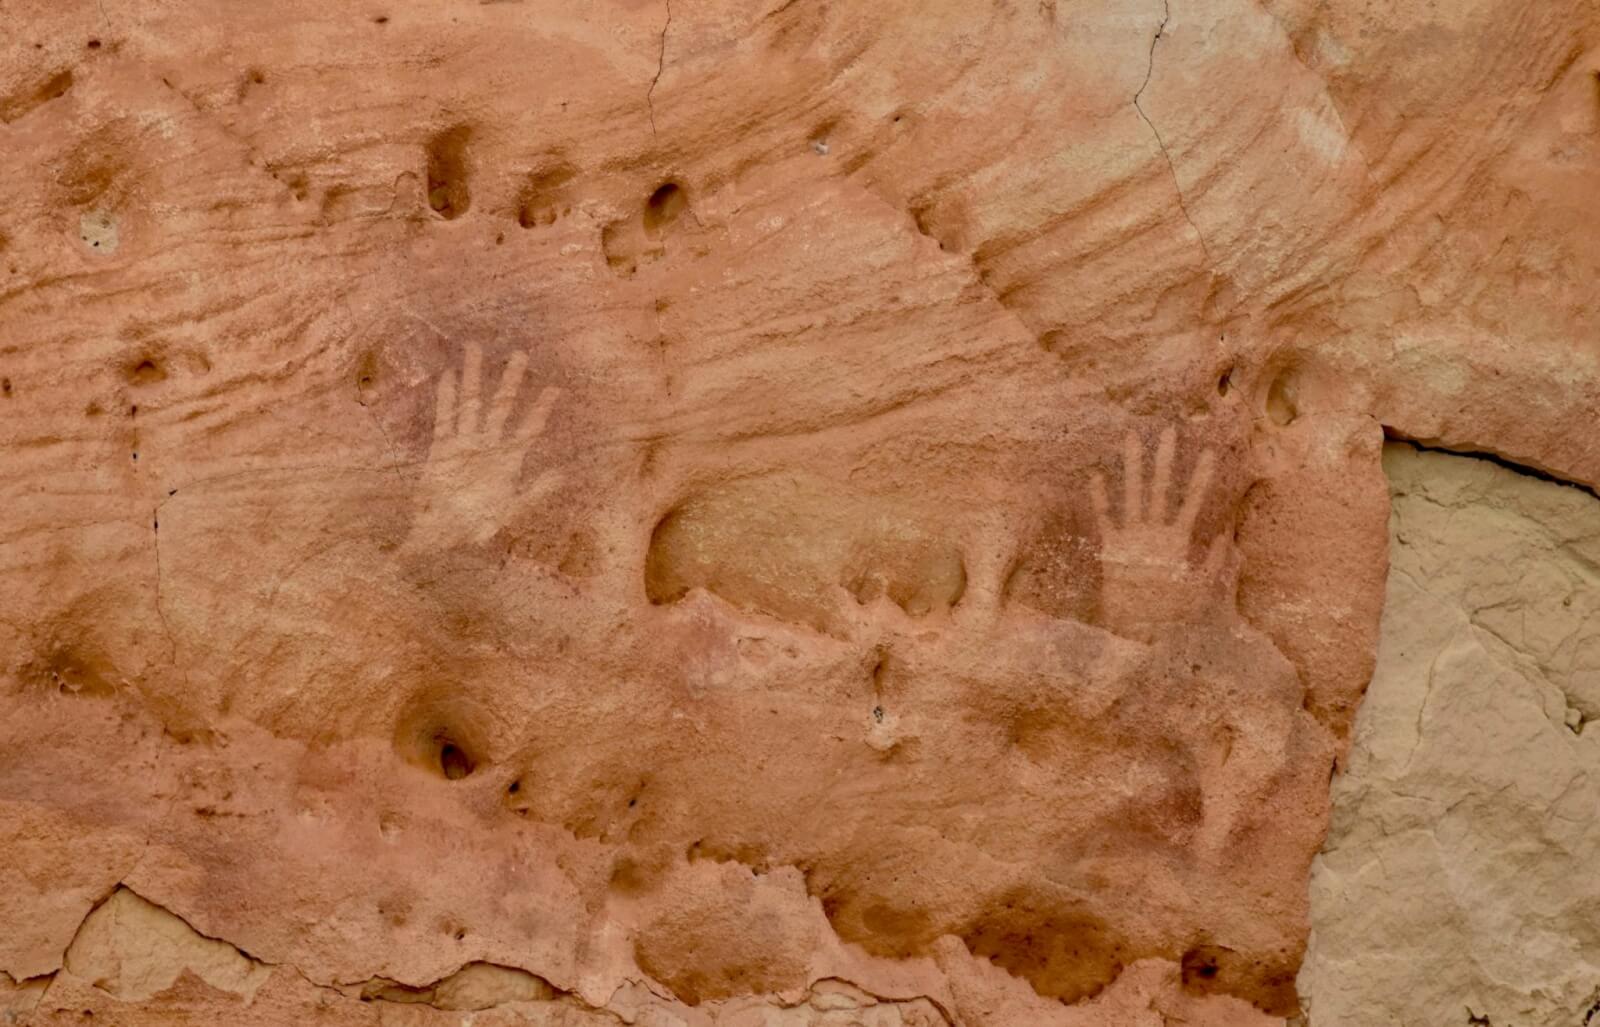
(1455, 883)
(693, 510)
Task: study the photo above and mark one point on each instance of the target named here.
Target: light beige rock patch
(135, 949)
(474, 986)
(1457, 884)
(17, 998)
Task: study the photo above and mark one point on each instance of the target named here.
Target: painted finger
(444, 409)
(1217, 555)
(1101, 503)
(546, 483)
(533, 424)
(1195, 497)
(1132, 479)
(467, 421)
(505, 396)
(1161, 480)
(1230, 571)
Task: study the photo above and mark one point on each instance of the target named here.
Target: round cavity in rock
(453, 762)
(1281, 407)
(436, 737)
(665, 205)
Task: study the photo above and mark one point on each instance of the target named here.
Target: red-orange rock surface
(735, 511)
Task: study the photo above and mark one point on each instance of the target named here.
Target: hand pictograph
(469, 486)
(1148, 578)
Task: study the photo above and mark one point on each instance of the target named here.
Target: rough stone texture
(644, 510)
(1458, 879)
(134, 950)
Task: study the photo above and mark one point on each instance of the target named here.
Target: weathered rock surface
(1458, 879)
(737, 511)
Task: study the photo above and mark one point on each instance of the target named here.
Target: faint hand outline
(1147, 576)
(469, 486)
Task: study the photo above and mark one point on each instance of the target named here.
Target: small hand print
(469, 487)
(1148, 578)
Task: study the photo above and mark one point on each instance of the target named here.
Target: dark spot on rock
(1052, 341)
(436, 734)
(146, 371)
(56, 87)
(1268, 982)
(53, 88)
(448, 193)
(72, 669)
(1200, 965)
(665, 205)
(454, 763)
(1065, 953)
(629, 877)
(367, 369)
(543, 197)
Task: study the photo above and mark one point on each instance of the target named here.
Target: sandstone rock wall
(1457, 882)
(694, 511)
